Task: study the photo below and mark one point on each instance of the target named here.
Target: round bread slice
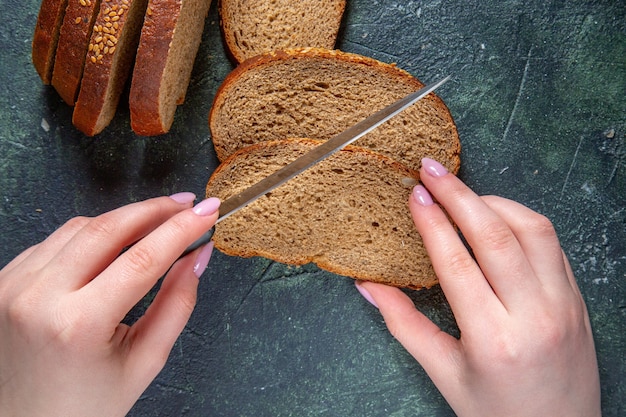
(110, 56)
(318, 93)
(169, 42)
(253, 27)
(348, 214)
(74, 38)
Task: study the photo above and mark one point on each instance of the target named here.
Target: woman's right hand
(64, 350)
(526, 346)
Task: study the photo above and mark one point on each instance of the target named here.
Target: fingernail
(183, 198)
(422, 196)
(202, 261)
(434, 168)
(207, 207)
(365, 294)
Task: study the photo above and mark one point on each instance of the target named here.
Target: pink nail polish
(202, 261)
(422, 196)
(433, 167)
(183, 198)
(207, 207)
(365, 294)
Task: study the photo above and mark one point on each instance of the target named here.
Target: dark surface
(539, 96)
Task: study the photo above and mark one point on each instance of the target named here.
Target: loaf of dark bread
(170, 38)
(317, 93)
(348, 214)
(253, 27)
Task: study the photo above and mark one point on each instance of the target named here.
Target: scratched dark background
(539, 97)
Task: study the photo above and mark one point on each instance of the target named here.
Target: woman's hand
(526, 347)
(63, 350)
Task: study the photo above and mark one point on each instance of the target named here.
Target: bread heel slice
(348, 214)
(169, 42)
(74, 37)
(110, 55)
(46, 37)
(254, 27)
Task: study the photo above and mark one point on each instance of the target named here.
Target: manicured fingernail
(422, 196)
(202, 261)
(434, 168)
(365, 294)
(183, 198)
(207, 207)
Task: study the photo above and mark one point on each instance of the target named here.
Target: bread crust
(72, 47)
(389, 71)
(106, 69)
(46, 37)
(153, 98)
(422, 277)
(227, 8)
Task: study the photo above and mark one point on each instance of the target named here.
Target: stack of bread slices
(89, 49)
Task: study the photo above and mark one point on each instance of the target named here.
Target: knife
(236, 202)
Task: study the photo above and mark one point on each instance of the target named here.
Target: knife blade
(236, 202)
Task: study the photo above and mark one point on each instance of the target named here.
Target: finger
(570, 275)
(27, 266)
(461, 279)
(537, 238)
(156, 332)
(497, 251)
(18, 259)
(10, 288)
(437, 351)
(40, 254)
(135, 272)
(101, 240)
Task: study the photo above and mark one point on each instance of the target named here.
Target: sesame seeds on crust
(105, 31)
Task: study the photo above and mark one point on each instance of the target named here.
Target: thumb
(437, 351)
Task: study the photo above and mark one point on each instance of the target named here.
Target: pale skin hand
(526, 347)
(63, 351)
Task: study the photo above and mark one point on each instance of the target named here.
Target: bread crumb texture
(317, 93)
(348, 214)
(253, 27)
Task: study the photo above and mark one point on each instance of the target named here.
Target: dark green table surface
(539, 97)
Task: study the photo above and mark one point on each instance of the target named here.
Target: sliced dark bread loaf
(69, 61)
(348, 214)
(170, 38)
(46, 37)
(317, 93)
(253, 27)
(110, 56)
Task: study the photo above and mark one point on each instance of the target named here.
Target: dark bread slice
(170, 38)
(253, 27)
(69, 61)
(317, 93)
(348, 214)
(46, 37)
(110, 56)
